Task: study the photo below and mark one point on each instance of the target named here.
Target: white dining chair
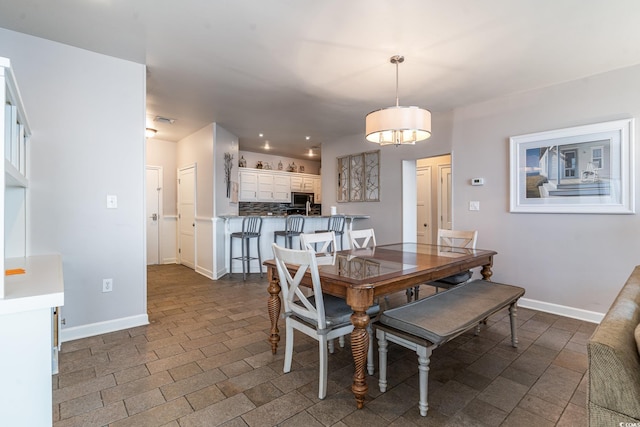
(360, 239)
(452, 239)
(320, 316)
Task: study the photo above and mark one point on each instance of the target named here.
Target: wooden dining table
(362, 276)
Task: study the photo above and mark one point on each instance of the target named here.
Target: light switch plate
(474, 206)
(112, 201)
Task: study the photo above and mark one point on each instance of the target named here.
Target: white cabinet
(257, 185)
(317, 190)
(302, 182)
(248, 191)
(27, 297)
(281, 188)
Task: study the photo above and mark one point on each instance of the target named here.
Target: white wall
(386, 215)
(572, 260)
(87, 113)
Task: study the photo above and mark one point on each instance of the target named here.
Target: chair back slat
(457, 238)
(360, 239)
(336, 223)
(251, 225)
(294, 224)
(326, 240)
(303, 261)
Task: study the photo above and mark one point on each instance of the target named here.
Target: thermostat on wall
(477, 181)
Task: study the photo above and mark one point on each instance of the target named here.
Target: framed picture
(358, 177)
(583, 169)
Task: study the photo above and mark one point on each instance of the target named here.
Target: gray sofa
(613, 395)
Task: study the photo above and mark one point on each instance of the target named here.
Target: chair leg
(332, 346)
(245, 249)
(230, 254)
(324, 367)
(409, 293)
(370, 365)
(382, 360)
(513, 309)
(288, 348)
(259, 257)
(341, 341)
(424, 355)
(416, 291)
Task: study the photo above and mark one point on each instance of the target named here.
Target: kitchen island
(271, 223)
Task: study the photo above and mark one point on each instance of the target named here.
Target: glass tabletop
(388, 261)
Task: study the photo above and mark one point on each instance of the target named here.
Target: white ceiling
(296, 68)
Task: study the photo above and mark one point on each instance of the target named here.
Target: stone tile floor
(204, 360)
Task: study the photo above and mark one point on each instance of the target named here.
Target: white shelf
(40, 286)
(13, 178)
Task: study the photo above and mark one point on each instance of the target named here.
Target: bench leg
(382, 360)
(424, 355)
(513, 308)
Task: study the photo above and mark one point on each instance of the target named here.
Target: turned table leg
(359, 300)
(273, 305)
(486, 271)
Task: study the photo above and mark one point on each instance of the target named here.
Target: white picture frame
(583, 169)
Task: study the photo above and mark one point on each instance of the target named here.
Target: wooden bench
(428, 323)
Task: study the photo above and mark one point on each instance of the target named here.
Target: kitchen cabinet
(303, 183)
(248, 191)
(281, 188)
(264, 186)
(317, 190)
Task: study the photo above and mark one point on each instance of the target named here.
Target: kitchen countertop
(348, 216)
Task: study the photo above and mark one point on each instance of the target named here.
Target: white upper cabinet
(258, 185)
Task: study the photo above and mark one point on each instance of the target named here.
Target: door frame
(160, 206)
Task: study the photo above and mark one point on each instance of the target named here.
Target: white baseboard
(204, 272)
(561, 310)
(170, 261)
(84, 331)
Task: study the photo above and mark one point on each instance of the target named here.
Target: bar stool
(251, 226)
(293, 227)
(336, 224)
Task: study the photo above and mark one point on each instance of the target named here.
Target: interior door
(444, 190)
(154, 187)
(187, 216)
(423, 204)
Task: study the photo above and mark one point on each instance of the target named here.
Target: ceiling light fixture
(266, 145)
(398, 125)
(165, 120)
(150, 133)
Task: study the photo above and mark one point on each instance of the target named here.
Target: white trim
(169, 260)
(84, 331)
(170, 217)
(205, 272)
(561, 310)
(160, 208)
(204, 219)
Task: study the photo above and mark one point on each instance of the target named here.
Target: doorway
(432, 197)
(154, 213)
(186, 216)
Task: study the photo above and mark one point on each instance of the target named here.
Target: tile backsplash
(255, 208)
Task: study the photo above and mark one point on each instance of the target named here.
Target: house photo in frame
(583, 169)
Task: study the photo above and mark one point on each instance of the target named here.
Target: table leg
(273, 305)
(486, 271)
(359, 300)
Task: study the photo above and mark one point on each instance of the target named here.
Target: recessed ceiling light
(260, 135)
(266, 145)
(150, 133)
(307, 138)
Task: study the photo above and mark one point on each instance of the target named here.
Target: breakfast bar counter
(271, 223)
